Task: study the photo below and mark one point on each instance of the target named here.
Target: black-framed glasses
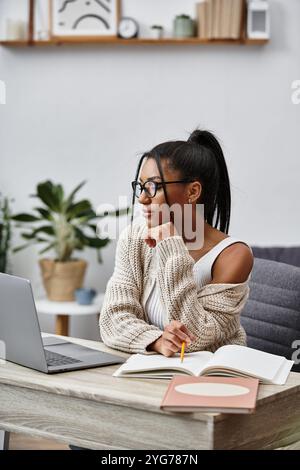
(151, 187)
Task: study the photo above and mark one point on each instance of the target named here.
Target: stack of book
(220, 19)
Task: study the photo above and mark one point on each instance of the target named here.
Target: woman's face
(155, 209)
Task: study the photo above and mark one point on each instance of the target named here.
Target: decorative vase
(183, 26)
(61, 279)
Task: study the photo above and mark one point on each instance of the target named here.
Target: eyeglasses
(151, 187)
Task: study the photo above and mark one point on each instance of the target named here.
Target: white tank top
(202, 270)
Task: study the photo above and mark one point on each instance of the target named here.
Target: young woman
(162, 292)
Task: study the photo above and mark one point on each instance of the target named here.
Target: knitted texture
(211, 313)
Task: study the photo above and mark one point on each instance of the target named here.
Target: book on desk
(211, 395)
(229, 360)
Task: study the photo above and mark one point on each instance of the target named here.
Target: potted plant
(65, 226)
(5, 232)
(156, 31)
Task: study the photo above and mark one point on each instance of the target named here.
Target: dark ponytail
(216, 189)
(200, 158)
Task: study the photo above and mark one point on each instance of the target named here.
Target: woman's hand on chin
(159, 233)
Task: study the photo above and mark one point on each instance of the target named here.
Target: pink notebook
(211, 394)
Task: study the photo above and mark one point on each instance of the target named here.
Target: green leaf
(46, 192)
(83, 219)
(115, 213)
(45, 229)
(25, 218)
(79, 209)
(59, 192)
(28, 236)
(44, 213)
(90, 215)
(93, 227)
(47, 248)
(21, 247)
(91, 241)
(71, 196)
(80, 235)
(96, 242)
(33, 235)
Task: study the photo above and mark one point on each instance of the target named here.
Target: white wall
(85, 112)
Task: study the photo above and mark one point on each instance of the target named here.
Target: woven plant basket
(62, 279)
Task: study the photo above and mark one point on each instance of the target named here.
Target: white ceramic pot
(156, 33)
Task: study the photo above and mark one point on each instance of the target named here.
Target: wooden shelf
(132, 42)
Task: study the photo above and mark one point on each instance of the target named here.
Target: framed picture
(75, 18)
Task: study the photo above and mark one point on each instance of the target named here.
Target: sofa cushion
(271, 316)
(283, 254)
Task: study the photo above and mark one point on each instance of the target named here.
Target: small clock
(128, 28)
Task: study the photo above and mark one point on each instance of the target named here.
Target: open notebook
(230, 360)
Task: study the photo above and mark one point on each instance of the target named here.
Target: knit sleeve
(122, 324)
(211, 314)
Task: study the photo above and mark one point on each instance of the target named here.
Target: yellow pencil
(182, 351)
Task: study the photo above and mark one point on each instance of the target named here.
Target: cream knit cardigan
(212, 313)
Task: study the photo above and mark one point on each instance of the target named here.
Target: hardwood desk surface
(92, 409)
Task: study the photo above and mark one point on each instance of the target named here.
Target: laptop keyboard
(55, 359)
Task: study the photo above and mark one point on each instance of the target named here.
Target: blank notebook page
(250, 360)
(194, 362)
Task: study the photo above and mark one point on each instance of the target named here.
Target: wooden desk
(92, 409)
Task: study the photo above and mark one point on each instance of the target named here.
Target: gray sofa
(271, 316)
(282, 254)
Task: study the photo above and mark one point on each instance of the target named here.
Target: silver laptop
(21, 338)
